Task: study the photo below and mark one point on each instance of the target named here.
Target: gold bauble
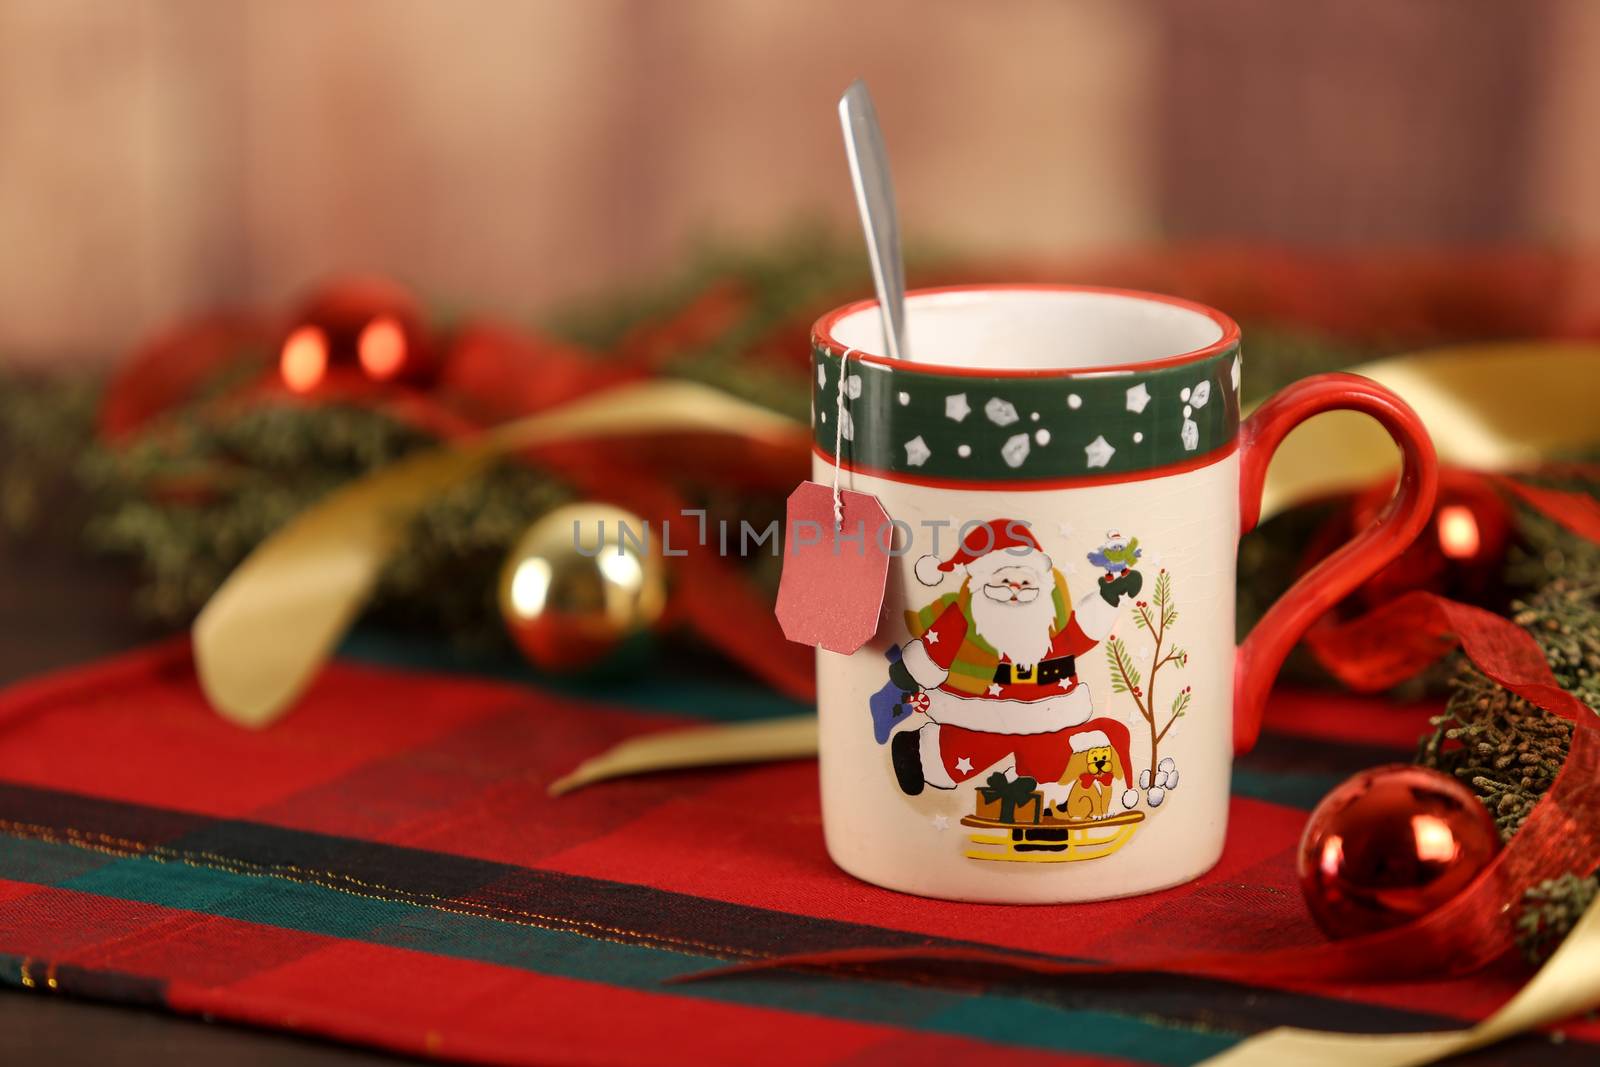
(580, 581)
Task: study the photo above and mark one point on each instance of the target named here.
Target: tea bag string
(838, 437)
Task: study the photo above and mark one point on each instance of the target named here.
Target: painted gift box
(1003, 799)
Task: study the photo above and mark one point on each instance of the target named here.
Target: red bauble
(364, 326)
(1462, 551)
(1389, 845)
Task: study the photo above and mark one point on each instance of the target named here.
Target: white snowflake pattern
(955, 406)
(847, 425)
(1138, 397)
(1099, 451)
(1074, 401)
(1201, 394)
(904, 398)
(1041, 436)
(1138, 436)
(822, 375)
(852, 387)
(1191, 435)
(1183, 395)
(917, 451)
(1015, 450)
(941, 822)
(963, 451)
(1000, 412)
(1064, 529)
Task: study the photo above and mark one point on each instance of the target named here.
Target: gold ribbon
(1488, 407)
(765, 740)
(263, 635)
(1568, 984)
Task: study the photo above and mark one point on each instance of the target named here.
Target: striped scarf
(972, 671)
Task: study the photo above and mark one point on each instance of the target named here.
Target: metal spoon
(869, 173)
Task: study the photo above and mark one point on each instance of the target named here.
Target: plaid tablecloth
(385, 867)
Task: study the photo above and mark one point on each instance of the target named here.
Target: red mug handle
(1263, 651)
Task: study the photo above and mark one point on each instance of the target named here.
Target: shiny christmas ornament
(1389, 845)
(370, 327)
(1461, 553)
(579, 582)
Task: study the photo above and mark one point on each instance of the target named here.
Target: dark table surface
(59, 608)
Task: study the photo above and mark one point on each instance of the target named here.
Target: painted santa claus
(996, 664)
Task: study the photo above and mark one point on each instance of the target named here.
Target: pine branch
(1166, 613)
(1506, 749)
(1509, 751)
(1142, 620)
(1163, 593)
(1550, 910)
(1124, 675)
(1163, 599)
(1180, 708)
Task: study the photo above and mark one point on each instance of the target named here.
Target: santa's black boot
(906, 749)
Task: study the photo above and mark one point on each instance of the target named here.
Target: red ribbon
(1086, 780)
(1578, 512)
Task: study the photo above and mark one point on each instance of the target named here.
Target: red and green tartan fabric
(385, 867)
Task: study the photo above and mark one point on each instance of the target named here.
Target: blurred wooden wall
(1391, 121)
(164, 155)
(159, 156)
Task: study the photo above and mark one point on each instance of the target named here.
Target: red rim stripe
(822, 333)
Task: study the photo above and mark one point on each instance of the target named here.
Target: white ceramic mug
(1051, 704)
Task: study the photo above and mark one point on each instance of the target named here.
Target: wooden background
(159, 156)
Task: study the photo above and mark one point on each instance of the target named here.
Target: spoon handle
(869, 173)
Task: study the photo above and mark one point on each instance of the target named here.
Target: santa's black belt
(1042, 673)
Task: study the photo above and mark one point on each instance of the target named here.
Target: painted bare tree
(1155, 616)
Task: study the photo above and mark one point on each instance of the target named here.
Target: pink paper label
(831, 592)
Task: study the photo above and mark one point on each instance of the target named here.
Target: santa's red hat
(1104, 732)
(982, 540)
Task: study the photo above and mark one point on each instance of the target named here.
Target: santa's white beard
(1017, 630)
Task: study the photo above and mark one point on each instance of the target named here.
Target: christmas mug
(1050, 705)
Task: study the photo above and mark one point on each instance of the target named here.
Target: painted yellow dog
(1090, 775)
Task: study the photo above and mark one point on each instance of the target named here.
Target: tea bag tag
(831, 592)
